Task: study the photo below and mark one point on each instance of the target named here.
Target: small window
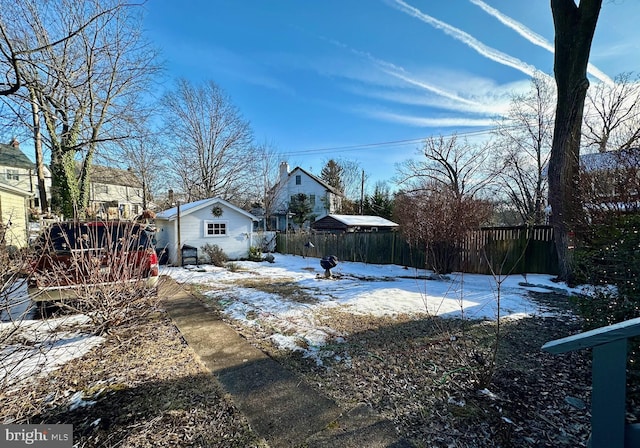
(101, 189)
(215, 228)
(298, 180)
(312, 200)
(13, 175)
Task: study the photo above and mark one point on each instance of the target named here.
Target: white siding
(325, 202)
(235, 243)
(105, 196)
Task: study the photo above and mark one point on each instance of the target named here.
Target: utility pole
(362, 194)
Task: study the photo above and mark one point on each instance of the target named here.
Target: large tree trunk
(574, 30)
(37, 138)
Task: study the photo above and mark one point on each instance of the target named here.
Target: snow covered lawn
(32, 348)
(289, 298)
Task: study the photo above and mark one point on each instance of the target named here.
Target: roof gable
(114, 176)
(316, 179)
(13, 157)
(191, 207)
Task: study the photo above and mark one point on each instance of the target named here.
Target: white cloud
(427, 122)
(483, 96)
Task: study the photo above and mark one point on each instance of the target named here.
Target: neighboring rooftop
(600, 161)
(114, 176)
(353, 222)
(12, 156)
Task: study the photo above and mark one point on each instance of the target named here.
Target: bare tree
(456, 166)
(145, 156)
(523, 147)
(211, 144)
(15, 49)
(83, 88)
(612, 121)
(443, 198)
(267, 182)
(574, 29)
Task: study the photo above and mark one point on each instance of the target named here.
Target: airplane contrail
(467, 39)
(534, 37)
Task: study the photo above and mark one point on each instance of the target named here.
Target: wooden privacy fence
(513, 250)
(365, 247)
(517, 250)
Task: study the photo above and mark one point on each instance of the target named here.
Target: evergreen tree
(300, 208)
(380, 203)
(332, 174)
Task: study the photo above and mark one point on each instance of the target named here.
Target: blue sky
(368, 80)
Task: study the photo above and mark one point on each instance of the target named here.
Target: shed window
(215, 228)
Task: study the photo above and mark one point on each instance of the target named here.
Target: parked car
(73, 259)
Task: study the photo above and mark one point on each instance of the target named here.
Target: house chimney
(15, 143)
(171, 197)
(284, 169)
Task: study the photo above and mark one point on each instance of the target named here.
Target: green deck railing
(609, 381)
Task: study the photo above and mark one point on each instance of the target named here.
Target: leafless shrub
(21, 347)
(103, 275)
(216, 255)
(437, 221)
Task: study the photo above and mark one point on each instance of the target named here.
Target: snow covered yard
(34, 348)
(368, 336)
(289, 299)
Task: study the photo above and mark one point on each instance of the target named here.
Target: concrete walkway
(280, 406)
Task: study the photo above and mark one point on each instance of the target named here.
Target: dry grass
(148, 389)
(427, 375)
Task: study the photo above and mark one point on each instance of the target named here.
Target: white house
(208, 221)
(115, 193)
(324, 199)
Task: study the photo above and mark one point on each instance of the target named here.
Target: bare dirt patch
(432, 377)
(435, 378)
(144, 387)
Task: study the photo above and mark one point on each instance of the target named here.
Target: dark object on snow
(269, 258)
(308, 245)
(189, 255)
(328, 263)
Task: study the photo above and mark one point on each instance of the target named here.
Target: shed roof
(191, 207)
(362, 220)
